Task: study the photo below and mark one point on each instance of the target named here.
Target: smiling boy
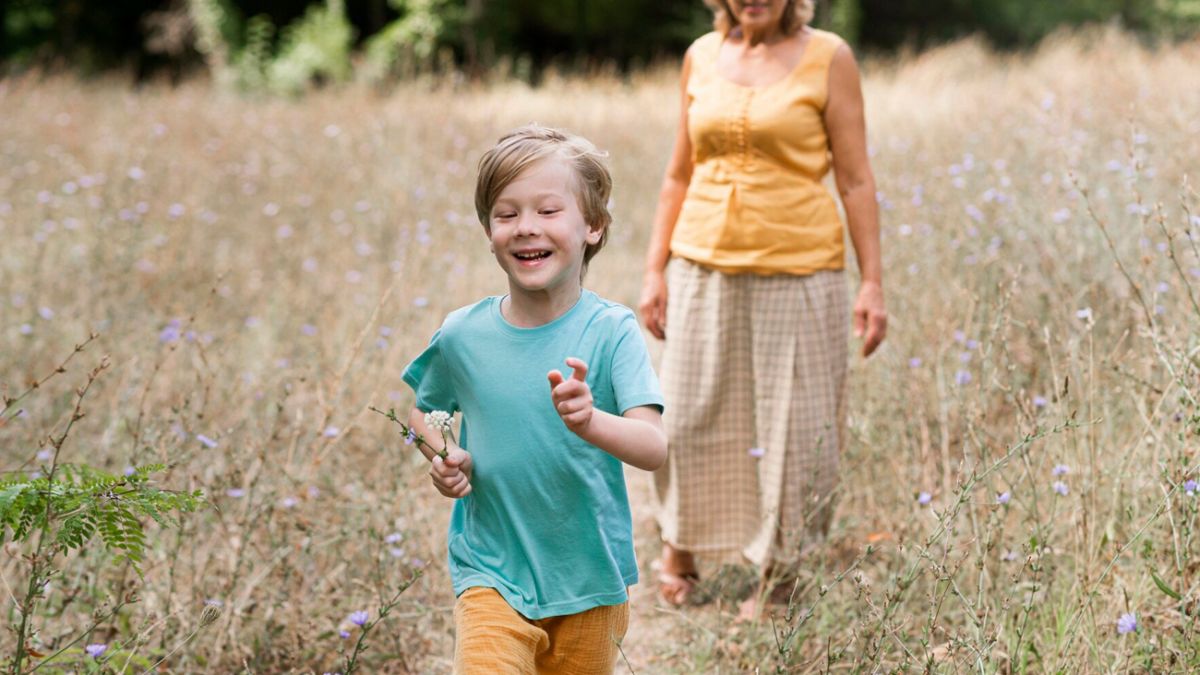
(540, 539)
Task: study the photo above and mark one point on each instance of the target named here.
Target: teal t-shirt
(547, 522)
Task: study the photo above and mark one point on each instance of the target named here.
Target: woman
(746, 260)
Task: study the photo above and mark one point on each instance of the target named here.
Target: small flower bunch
(438, 420)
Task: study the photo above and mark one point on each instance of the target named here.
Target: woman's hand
(870, 318)
(653, 305)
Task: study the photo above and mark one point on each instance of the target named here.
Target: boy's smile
(539, 234)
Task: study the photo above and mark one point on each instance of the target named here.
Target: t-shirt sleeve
(431, 377)
(633, 378)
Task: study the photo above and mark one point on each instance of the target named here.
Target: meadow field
(1019, 489)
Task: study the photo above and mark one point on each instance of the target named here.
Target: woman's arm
(847, 129)
(653, 304)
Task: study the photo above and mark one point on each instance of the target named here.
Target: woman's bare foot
(677, 576)
(771, 591)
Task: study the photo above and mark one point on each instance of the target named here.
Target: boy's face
(538, 232)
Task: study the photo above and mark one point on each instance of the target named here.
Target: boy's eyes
(512, 214)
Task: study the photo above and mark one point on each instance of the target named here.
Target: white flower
(438, 420)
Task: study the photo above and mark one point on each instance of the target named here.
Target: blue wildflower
(1127, 623)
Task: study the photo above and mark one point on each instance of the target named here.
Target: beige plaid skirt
(753, 373)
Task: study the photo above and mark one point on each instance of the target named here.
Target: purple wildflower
(331, 431)
(1003, 497)
(962, 378)
(914, 362)
(924, 498)
(129, 471)
(95, 650)
(1060, 487)
(757, 452)
(359, 618)
(289, 502)
(308, 329)
(1040, 402)
(394, 538)
(171, 332)
(236, 493)
(1190, 486)
(1127, 623)
(410, 437)
(206, 441)
(343, 634)
(1060, 469)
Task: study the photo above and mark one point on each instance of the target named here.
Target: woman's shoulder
(709, 42)
(826, 39)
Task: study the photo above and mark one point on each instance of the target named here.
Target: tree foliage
(286, 45)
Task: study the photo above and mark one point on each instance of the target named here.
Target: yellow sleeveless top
(755, 202)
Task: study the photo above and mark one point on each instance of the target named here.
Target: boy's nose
(527, 225)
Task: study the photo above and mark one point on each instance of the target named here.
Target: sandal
(675, 588)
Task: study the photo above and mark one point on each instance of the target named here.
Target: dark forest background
(154, 36)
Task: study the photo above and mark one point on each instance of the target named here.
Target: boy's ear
(594, 234)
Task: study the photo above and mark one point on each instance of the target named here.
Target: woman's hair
(796, 15)
(520, 148)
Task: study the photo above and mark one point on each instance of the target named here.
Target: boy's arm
(451, 476)
(636, 438)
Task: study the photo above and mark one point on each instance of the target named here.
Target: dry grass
(308, 249)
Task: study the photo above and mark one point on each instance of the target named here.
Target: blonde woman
(744, 281)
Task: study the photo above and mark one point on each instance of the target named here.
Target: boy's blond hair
(520, 148)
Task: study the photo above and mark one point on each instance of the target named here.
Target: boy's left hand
(572, 397)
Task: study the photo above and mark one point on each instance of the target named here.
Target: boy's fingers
(579, 369)
(555, 377)
(569, 389)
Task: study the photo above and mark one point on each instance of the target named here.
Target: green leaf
(1162, 586)
(7, 496)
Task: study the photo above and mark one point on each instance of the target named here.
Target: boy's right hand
(452, 476)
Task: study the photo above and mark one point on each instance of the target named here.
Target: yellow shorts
(493, 639)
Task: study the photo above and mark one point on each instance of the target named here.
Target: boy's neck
(530, 310)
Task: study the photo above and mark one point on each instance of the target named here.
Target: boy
(540, 540)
